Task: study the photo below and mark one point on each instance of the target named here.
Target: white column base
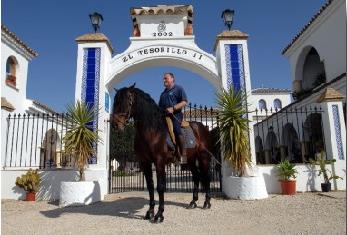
(245, 188)
(79, 193)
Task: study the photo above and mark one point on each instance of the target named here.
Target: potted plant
(287, 174)
(327, 174)
(79, 143)
(30, 182)
(234, 139)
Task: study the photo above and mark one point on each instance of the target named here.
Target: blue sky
(50, 28)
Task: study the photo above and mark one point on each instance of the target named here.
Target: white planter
(79, 193)
(245, 188)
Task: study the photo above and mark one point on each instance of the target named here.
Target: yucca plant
(80, 137)
(234, 129)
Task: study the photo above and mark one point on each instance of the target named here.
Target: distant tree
(122, 145)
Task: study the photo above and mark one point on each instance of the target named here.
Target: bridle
(127, 114)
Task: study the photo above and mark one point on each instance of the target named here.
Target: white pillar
(334, 134)
(232, 58)
(93, 59)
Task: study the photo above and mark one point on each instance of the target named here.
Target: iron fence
(35, 140)
(291, 133)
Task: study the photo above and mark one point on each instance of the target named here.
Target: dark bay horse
(150, 146)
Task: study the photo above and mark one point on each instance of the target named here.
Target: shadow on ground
(125, 208)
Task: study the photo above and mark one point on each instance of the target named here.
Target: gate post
(334, 134)
(232, 57)
(93, 58)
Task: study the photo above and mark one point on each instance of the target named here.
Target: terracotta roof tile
(233, 34)
(43, 106)
(330, 94)
(13, 36)
(325, 6)
(162, 10)
(95, 37)
(262, 90)
(6, 105)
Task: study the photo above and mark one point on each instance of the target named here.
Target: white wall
(307, 178)
(50, 183)
(327, 34)
(269, 99)
(16, 96)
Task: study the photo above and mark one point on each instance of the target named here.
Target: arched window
(262, 104)
(313, 70)
(277, 104)
(11, 66)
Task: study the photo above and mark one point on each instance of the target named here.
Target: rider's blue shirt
(171, 97)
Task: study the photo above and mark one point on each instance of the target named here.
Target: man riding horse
(172, 100)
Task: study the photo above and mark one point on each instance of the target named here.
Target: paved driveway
(122, 213)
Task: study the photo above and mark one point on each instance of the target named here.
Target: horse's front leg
(161, 185)
(195, 173)
(147, 170)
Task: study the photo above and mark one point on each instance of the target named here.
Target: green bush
(122, 173)
(286, 170)
(30, 181)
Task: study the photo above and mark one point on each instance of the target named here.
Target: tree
(80, 138)
(122, 145)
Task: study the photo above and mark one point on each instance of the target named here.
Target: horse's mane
(147, 112)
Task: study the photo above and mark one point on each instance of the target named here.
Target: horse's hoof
(158, 219)
(207, 205)
(192, 205)
(149, 215)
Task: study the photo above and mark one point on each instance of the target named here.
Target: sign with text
(162, 51)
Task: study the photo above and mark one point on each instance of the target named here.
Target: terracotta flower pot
(30, 196)
(288, 187)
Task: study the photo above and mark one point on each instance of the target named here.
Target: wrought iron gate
(125, 173)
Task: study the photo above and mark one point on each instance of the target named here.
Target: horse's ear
(132, 86)
(116, 90)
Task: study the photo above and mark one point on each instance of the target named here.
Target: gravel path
(122, 213)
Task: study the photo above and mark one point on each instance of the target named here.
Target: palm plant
(286, 170)
(234, 129)
(80, 137)
(322, 161)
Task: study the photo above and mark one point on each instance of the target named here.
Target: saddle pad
(189, 138)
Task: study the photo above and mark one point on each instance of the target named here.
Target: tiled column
(232, 57)
(94, 55)
(334, 134)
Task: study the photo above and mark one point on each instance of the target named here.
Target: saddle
(188, 134)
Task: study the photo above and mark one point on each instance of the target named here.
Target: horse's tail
(211, 139)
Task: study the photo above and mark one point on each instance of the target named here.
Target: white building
(315, 120)
(31, 131)
(266, 101)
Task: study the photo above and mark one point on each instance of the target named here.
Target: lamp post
(227, 16)
(96, 20)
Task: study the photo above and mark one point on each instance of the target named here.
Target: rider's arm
(180, 105)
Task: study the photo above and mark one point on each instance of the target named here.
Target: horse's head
(122, 107)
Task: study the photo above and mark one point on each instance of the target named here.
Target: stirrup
(183, 159)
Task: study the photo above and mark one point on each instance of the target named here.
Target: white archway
(158, 40)
(188, 57)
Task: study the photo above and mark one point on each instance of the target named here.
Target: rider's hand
(170, 110)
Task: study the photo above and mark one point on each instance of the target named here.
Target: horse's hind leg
(195, 174)
(161, 185)
(204, 165)
(147, 170)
